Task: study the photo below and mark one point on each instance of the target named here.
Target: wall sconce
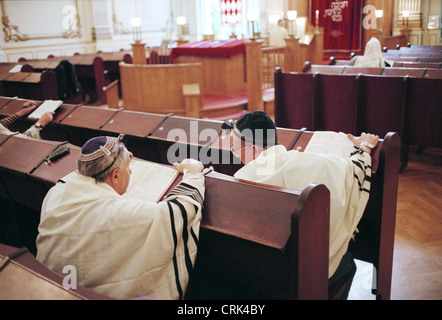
(406, 15)
(181, 22)
(379, 14)
(252, 18)
(291, 16)
(136, 29)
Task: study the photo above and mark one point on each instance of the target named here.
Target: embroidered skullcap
(256, 127)
(99, 148)
(96, 148)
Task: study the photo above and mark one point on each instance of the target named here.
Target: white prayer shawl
(32, 132)
(347, 178)
(122, 247)
(372, 57)
(277, 36)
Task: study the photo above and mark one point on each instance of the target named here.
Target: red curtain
(231, 11)
(342, 22)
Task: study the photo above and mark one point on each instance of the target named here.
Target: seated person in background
(372, 57)
(121, 247)
(34, 131)
(278, 35)
(254, 142)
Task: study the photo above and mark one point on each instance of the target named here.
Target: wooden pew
(91, 75)
(421, 65)
(281, 238)
(424, 111)
(402, 72)
(383, 104)
(94, 71)
(329, 96)
(148, 136)
(29, 85)
(22, 277)
(433, 74)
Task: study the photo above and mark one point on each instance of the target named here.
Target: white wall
(102, 25)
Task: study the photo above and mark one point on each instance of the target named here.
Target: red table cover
(210, 48)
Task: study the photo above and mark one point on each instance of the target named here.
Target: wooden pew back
(29, 85)
(382, 104)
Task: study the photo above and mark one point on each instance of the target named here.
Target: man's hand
(191, 165)
(367, 138)
(46, 118)
(28, 107)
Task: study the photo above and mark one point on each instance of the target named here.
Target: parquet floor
(417, 261)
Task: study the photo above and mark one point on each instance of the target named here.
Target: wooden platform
(223, 107)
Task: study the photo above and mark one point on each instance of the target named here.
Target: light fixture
(291, 16)
(181, 22)
(405, 15)
(136, 29)
(379, 14)
(252, 18)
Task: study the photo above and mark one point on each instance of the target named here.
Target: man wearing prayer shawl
(121, 247)
(34, 130)
(372, 57)
(254, 142)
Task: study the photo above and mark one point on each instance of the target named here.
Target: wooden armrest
(110, 85)
(192, 89)
(192, 99)
(111, 92)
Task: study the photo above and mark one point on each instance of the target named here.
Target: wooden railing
(272, 58)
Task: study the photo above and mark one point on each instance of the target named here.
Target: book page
(329, 142)
(149, 181)
(47, 106)
(16, 68)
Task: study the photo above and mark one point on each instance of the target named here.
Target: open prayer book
(47, 106)
(150, 181)
(329, 142)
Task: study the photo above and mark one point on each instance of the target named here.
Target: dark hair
(256, 127)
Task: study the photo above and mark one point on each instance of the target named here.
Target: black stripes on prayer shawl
(182, 189)
(364, 185)
(9, 121)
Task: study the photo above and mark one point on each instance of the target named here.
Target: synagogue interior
(147, 68)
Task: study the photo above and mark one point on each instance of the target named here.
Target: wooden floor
(417, 261)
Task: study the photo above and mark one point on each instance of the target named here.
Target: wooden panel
(157, 88)
(88, 117)
(13, 106)
(138, 124)
(18, 154)
(220, 75)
